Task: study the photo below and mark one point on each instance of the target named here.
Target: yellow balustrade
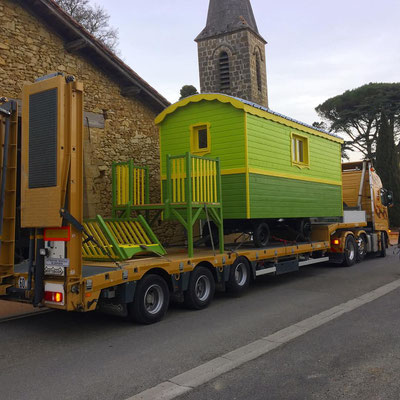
(122, 172)
(139, 182)
(203, 180)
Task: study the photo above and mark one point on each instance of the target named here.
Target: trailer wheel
(382, 252)
(362, 247)
(201, 289)
(350, 251)
(261, 234)
(151, 300)
(239, 277)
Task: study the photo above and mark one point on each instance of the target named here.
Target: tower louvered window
(224, 76)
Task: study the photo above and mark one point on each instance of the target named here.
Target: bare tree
(94, 18)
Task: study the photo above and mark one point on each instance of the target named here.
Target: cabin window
(200, 139)
(299, 146)
(224, 75)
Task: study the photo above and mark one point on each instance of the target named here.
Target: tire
(239, 277)
(361, 247)
(261, 234)
(151, 300)
(350, 251)
(201, 289)
(382, 252)
(305, 229)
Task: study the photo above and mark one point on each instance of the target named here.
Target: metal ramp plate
(123, 238)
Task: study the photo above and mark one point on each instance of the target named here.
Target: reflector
(62, 234)
(54, 297)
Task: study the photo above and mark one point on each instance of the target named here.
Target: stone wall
(242, 47)
(257, 49)
(28, 50)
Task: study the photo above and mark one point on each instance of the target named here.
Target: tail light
(54, 297)
(336, 242)
(54, 293)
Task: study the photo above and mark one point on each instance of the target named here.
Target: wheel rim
(240, 274)
(202, 287)
(153, 299)
(361, 246)
(351, 251)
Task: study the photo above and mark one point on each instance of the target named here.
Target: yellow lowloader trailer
(118, 265)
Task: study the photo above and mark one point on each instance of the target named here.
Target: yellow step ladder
(122, 238)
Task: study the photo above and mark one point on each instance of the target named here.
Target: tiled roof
(78, 40)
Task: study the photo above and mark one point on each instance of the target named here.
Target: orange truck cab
(365, 199)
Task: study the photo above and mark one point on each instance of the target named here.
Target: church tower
(232, 52)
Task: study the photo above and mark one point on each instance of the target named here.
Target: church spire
(232, 52)
(227, 16)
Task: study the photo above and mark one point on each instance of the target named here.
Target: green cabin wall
(234, 196)
(274, 197)
(226, 127)
(269, 148)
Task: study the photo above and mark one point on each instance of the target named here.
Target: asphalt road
(354, 357)
(77, 356)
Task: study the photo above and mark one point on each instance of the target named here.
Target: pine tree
(388, 167)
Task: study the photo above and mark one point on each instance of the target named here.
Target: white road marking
(195, 377)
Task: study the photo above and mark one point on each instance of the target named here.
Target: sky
(316, 49)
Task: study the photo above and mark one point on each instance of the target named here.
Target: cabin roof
(251, 108)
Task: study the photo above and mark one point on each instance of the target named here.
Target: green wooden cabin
(272, 166)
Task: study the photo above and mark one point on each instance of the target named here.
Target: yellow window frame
(299, 150)
(194, 139)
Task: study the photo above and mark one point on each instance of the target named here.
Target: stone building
(232, 52)
(38, 38)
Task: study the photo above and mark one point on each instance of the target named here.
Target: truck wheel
(382, 252)
(151, 300)
(350, 251)
(201, 289)
(239, 277)
(261, 234)
(362, 247)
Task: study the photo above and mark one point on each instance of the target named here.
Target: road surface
(93, 356)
